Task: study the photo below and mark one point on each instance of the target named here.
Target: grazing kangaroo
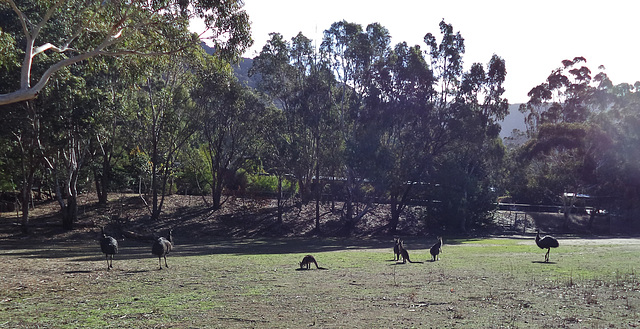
(405, 254)
(306, 262)
(396, 248)
(436, 249)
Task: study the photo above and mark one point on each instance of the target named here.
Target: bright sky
(533, 38)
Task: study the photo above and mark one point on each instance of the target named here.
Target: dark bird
(161, 247)
(109, 247)
(436, 249)
(547, 242)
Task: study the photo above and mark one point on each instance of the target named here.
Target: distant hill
(207, 49)
(241, 70)
(242, 73)
(515, 120)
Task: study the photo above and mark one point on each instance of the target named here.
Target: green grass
(484, 283)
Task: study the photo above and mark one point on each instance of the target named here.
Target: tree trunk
(349, 196)
(216, 190)
(280, 202)
(395, 215)
(155, 213)
(318, 193)
(463, 216)
(104, 180)
(70, 212)
(26, 194)
(97, 178)
(398, 203)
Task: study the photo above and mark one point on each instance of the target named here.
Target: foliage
(73, 31)
(356, 119)
(267, 185)
(575, 122)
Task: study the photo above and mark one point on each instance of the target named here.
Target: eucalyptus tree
(230, 122)
(400, 101)
(352, 52)
(112, 82)
(281, 83)
(475, 165)
(461, 138)
(618, 167)
(566, 145)
(284, 66)
(66, 115)
(318, 118)
(21, 153)
(80, 30)
(303, 87)
(166, 120)
(569, 95)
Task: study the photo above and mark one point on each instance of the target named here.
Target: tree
(111, 81)
(79, 30)
(167, 119)
(399, 103)
(441, 127)
(571, 126)
(569, 95)
(349, 52)
(302, 86)
(230, 122)
(24, 153)
(64, 143)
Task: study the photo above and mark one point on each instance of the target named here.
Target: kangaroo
(306, 262)
(436, 249)
(405, 254)
(396, 248)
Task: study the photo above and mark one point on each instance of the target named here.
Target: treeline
(356, 119)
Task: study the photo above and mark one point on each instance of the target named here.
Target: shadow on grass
(89, 250)
(542, 262)
(309, 269)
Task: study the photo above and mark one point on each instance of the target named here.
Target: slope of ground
(127, 217)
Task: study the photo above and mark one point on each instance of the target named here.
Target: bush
(268, 184)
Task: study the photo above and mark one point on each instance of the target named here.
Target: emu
(547, 242)
(161, 247)
(109, 247)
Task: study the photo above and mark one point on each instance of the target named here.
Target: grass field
(256, 283)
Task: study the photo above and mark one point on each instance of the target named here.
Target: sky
(533, 37)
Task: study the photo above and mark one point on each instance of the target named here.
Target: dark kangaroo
(436, 249)
(405, 254)
(306, 262)
(396, 248)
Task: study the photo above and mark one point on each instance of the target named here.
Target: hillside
(241, 70)
(126, 217)
(515, 120)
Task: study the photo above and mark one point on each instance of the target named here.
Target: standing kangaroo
(306, 262)
(436, 249)
(396, 248)
(405, 254)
